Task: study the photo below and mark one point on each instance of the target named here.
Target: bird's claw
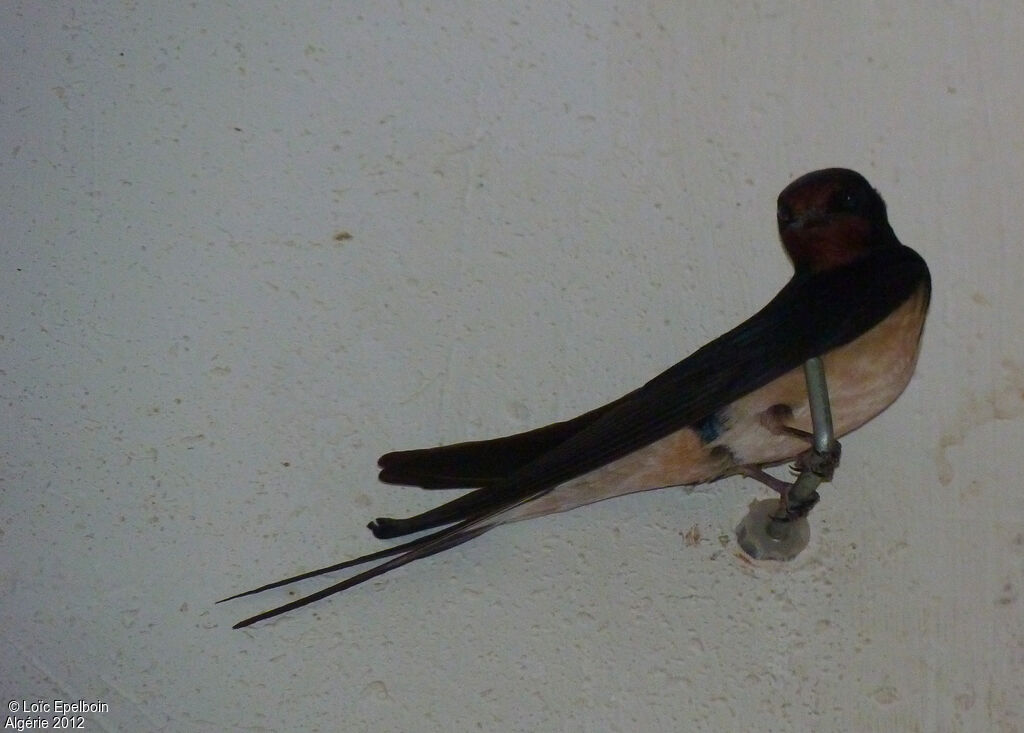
(798, 498)
(793, 510)
(822, 464)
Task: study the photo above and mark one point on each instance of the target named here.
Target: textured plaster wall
(247, 247)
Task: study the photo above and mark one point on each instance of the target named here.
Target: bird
(858, 298)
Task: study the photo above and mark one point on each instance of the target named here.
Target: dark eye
(844, 201)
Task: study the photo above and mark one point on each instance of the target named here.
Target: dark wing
(810, 316)
(479, 462)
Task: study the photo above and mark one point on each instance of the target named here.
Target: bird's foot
(790, 507)
(822, 464)
(797, 498)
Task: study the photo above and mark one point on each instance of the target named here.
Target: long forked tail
(400, 554)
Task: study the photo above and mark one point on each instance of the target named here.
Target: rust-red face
(829, 218)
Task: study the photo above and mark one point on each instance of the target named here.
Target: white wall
(547, 206)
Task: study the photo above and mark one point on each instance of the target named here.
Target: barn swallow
(858, 298)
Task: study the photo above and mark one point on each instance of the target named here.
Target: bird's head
(831, 217)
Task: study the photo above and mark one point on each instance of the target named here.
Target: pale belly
(864, 377)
